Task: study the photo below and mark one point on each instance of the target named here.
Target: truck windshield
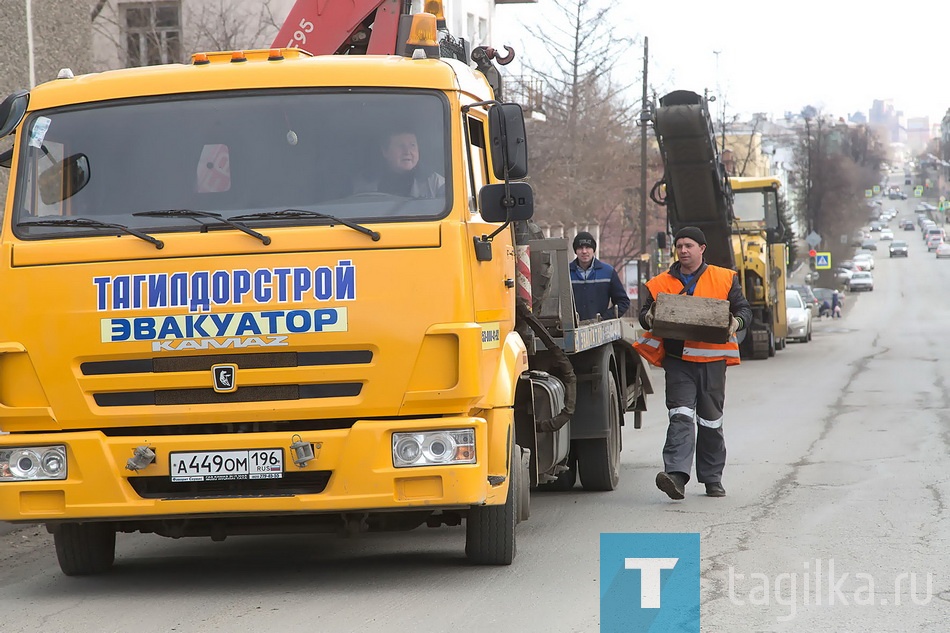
(360, 156)
(756, 205)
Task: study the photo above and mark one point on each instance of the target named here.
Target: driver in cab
(400, 173)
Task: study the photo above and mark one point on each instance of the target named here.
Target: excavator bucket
(697, 189)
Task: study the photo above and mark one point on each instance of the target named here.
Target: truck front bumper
(352, 470)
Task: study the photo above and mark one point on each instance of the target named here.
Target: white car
(886, 234)
(861, 280)
(865, 260)
(943, 250)
(842, 275)
(799, 317)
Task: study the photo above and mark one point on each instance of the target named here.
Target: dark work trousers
(695, 394)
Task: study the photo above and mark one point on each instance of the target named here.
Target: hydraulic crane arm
(327, 27)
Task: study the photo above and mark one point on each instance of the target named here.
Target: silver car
(861, 280)
(799, 317)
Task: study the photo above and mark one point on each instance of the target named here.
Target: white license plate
(258, 463)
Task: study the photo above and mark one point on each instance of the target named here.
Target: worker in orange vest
(695, 370)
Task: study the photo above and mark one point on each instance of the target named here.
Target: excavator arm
(697, 191)
(328, 27)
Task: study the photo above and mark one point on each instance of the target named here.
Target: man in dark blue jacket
(596, 284)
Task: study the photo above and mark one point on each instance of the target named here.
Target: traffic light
(661, 239)
(812, 253)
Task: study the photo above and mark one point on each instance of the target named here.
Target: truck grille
(252, 393)
(243, 394)
(304, 483)
(243, 361)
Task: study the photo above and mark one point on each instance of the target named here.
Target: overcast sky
(776, 57)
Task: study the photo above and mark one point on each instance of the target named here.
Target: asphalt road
(838, 458)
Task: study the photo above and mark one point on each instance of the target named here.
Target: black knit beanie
(584, 239)
(692, 233)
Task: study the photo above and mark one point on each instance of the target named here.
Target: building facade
(37, 39)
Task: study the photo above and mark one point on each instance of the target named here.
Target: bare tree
(226, 25)
(834, 164)
(585, 155)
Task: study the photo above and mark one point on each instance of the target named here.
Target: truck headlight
(33, 463)
(434, 448)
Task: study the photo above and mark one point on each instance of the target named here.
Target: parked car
(898, 248)
(934, 230)
(865, 261)
(869, 245)
(799, 317)
(943, 250)
(933, 242)
(861, 280)
(811, 301)
(842, 275)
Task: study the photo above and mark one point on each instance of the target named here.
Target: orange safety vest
(715, 283)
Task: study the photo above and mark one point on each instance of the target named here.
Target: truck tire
(598, 460)
(84, 549)
(524, 485)
(490, 530)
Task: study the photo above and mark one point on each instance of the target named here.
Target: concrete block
(691, 318)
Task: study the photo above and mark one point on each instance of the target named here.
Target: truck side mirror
(64, 179)
(509, 147)
(496, 206)
(12, 110)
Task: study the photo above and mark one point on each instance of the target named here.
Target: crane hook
(504, 61)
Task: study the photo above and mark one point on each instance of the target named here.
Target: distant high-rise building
(883, 116)
(918, 133)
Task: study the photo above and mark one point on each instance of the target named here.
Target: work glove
(649, 317)
(734, 325)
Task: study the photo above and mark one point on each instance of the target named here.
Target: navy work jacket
(593, 296)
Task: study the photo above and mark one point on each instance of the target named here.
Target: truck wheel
(524, 484)
(598, 460)
(84, 549)
(490, 530)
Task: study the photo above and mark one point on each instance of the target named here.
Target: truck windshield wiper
(188, 213)
(95, 224)
(302, 213)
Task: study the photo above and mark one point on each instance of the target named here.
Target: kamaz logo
(228, 343)
(224, 378)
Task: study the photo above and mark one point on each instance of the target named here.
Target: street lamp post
(29, 42)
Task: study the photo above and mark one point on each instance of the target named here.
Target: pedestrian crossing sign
(823, 261)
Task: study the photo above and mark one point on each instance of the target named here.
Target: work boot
(715, 489)
(673, 484)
